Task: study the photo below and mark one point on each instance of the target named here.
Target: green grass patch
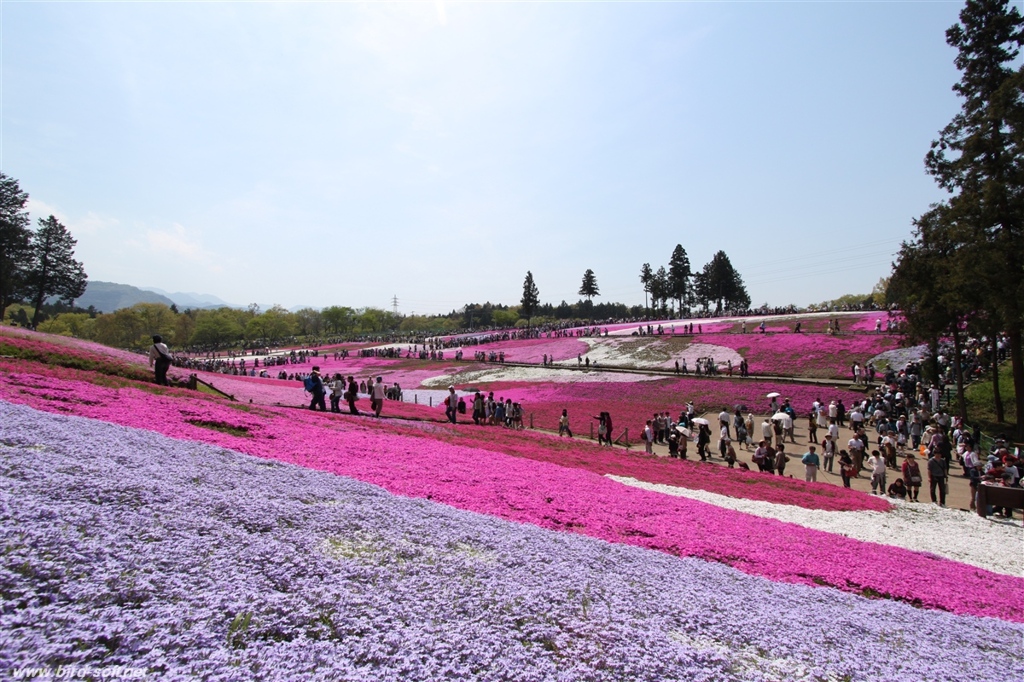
(981, 404)
(223, 427)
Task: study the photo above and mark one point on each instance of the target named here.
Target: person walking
(451, 405)
(352, 395)
(828, 452)
(377, 397)
(811, 464)
(160, 356)
(845, 467)
(337, 388)
(911, 476)
(780, 460)
(877, 464)
(317, 390)
(937, 477)
(563, 424)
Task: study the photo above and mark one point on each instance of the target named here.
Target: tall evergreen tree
(979, 159)
(14, 240)
(646, 279)
(52, 268)
(530, 300)
(679, 275)
(589, 286)
(660, 292)
(723, 286)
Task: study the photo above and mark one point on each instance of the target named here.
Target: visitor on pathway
(723, 420)
(377, 396)
(703, 440)
(845, 467)
(811, 463)
(780, 460)
(478, 410)
(911, 476)
(316, 389)
(451, 405)
(937, 477)
(337, 389)
(161, 357)
(729, 455)
(352, 395)
(828, 452)
(648, 437)
(877, 465)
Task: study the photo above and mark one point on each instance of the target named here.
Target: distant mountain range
(107, 297)
(110, 296)
(193, 300)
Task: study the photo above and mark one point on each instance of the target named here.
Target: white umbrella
(700, 420)
(773, 394)
(684, 431)
(780, 416)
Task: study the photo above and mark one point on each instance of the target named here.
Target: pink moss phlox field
(73, 345)
(533, 492)
(631, 404)
(813, 355)
(534, 350)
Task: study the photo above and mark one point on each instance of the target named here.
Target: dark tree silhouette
(14, 240)
(52, 269)
(589, 286)
(530, 300)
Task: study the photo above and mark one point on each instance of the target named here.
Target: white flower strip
(923, 527)
(511, 373)
(652, 352)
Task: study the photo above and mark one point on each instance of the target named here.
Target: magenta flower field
(431, 463)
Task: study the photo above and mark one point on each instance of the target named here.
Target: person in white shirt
(377, 396)
(723, 420)
(877, 464)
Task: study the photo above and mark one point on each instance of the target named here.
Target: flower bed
(805, 355)
(425, 461)
(631, 404)
(188, 561)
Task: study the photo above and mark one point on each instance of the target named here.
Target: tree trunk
(958, 371)
(1017, 363)
(931, 368)
(997, 398)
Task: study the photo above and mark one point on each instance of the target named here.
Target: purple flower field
(126, 548)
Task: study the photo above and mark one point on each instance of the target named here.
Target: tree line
(962, 272)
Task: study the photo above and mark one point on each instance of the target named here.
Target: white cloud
(41, 209)
(92, 224)
(177, 241)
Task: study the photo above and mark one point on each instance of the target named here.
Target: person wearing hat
(811, 463)
(318, 392)
(451, 405)
(161, 356)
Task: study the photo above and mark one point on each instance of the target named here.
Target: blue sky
(343, 153)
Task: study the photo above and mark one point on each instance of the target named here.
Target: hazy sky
(345, 153)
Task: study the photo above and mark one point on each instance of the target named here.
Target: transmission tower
(394, 303)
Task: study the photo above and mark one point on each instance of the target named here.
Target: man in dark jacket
(937, 476)
(318, 392)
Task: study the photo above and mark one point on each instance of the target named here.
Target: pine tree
(722, 285)
(679, 275)
(979, 159)
(589, 286)
(530, 300)
(14, 240)
(52, 269)
(646, 279)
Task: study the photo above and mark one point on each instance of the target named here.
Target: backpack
(309, 384)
